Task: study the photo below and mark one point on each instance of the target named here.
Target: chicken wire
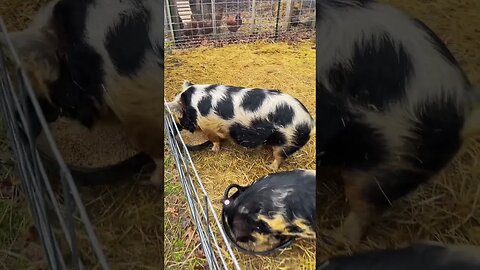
(190, 23)
(58, 219)
(215, 244)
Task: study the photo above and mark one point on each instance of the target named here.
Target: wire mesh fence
(200, 22)
(57, 216)
(215, 245)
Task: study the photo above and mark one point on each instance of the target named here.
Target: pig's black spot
(393, 185)
(375, 66)
(50, 112)
(257, 134)
(301, 134)
(78, 91)
(224, 107)
(234, 89)
(276, 139)
(289, 150)
(186, 96)
(204, 105)
(356, 145)
(252, 100)
(128, 41)
(294, 229)
(210, 88)
(282, 116)
(436, 134)
(189, 119)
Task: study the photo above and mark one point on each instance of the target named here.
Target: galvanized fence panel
(57, 217)
(215, 244)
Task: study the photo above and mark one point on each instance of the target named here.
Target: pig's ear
(186, 84)
(35, 48)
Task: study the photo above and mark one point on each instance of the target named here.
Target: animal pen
(195, 22)
(205, 50)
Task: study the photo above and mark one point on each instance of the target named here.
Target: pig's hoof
(216, 148)
(274, 166)
(154, 181)
(351, 231)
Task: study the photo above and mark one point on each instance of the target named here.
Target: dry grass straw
(447, 210)
(290, 68)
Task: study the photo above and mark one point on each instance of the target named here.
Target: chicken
(218, 16)
(190, 29)
(206, 27)
(233, 24)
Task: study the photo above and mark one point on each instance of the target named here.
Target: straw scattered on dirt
(290, 68)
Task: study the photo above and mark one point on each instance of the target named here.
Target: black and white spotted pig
(393, 104)
(88, 58)
(251, 117)
(420, 256)
(276, 205)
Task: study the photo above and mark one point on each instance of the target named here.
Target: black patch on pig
(205, 105)
(189, 117)
(282, 115)
(50, 112)
(276, 139)
(301, 135)
(78, 90)
(294, 229)
(393, 185)
(224, 107)
(210, 88)
(128, 41)
(436, 132)
(257, 134)
(355, 146)
(435, 141)
(252, 100)
(234, 89)
(374, 67)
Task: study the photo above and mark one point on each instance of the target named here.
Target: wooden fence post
(253, 16)
(288, 14)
